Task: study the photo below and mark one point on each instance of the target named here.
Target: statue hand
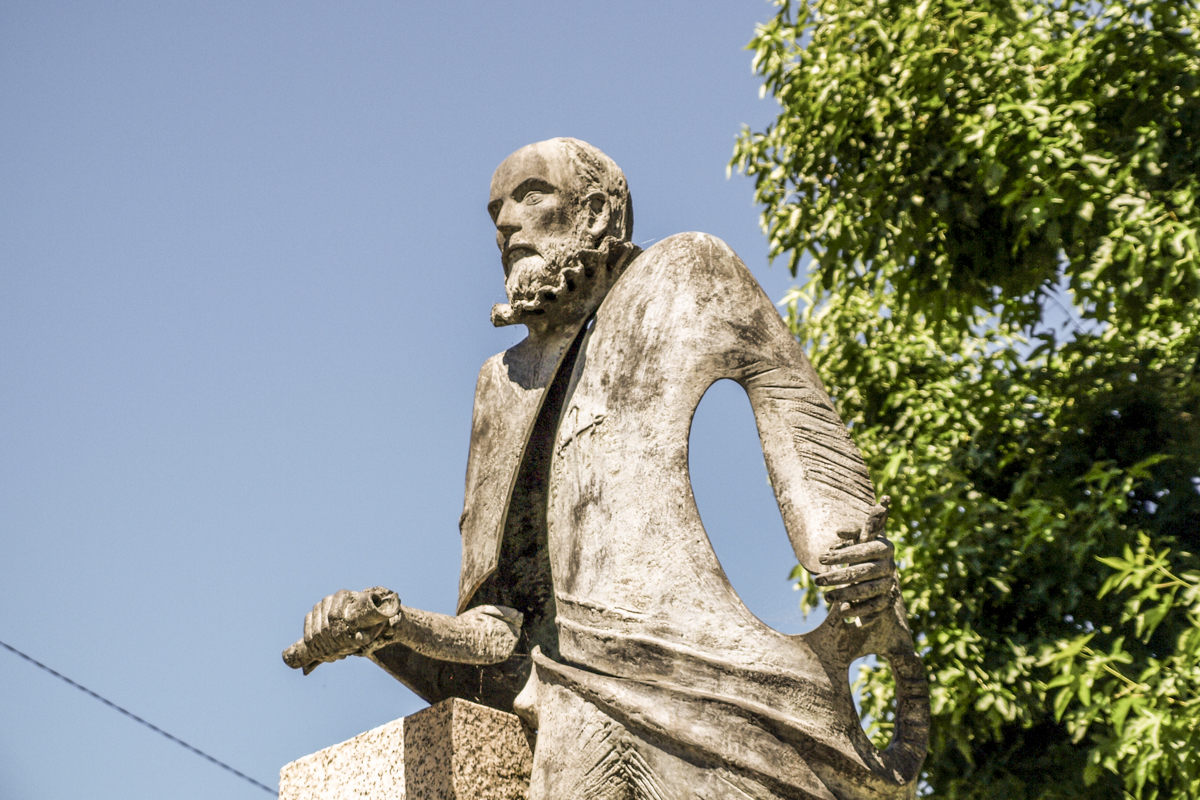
(865, 578)
(340, 625)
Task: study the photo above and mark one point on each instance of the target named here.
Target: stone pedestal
(455, 750)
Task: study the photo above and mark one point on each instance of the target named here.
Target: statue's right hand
(340, 625)
(326, 636)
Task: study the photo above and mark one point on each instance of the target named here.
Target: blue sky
(245, 277)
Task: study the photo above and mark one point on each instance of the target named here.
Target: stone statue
(591, 603)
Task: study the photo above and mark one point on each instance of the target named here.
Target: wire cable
(136, 718)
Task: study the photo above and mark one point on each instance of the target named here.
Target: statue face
(534, 207)
(543, 226)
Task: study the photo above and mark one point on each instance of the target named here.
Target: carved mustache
(515, 251)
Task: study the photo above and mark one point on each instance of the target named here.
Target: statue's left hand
(865, 573)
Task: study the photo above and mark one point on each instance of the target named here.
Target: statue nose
(506, 220)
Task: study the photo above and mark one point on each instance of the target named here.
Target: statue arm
(820, 480)
(828, 503)
(837, 530)
(434, 680)
(734, 331)
(437, 656)
(481, 635)
(470, 656)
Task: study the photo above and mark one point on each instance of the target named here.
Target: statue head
(563, 221)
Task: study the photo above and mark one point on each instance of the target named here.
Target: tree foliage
(999, 201)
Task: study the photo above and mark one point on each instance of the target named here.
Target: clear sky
(245, 277)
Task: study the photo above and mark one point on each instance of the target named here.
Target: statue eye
(533, 198)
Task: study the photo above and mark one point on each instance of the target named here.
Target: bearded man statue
(591, 603)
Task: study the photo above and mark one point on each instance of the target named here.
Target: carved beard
(557, 281)
(537, 280)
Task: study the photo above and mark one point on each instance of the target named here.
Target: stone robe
(579, 512)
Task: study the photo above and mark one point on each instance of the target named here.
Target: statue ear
(597, 209)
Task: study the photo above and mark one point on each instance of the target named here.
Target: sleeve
(820, 480)
(494, 685)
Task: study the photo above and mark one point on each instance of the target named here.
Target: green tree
(996, 203)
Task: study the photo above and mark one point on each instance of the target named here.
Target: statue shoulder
(691, 293)
(693, 260)
(700, 271)
(491, 370)
(690, 246)
(520, 363)
(493, 363)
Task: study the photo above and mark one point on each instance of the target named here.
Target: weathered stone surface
(454, 750)
(590, 600)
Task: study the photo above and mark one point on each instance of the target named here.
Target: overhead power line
(136, 718)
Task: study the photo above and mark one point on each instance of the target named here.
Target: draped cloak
(588, 438)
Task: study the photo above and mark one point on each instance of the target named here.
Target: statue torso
(584, 485)
(636, 614)
(635, 577)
